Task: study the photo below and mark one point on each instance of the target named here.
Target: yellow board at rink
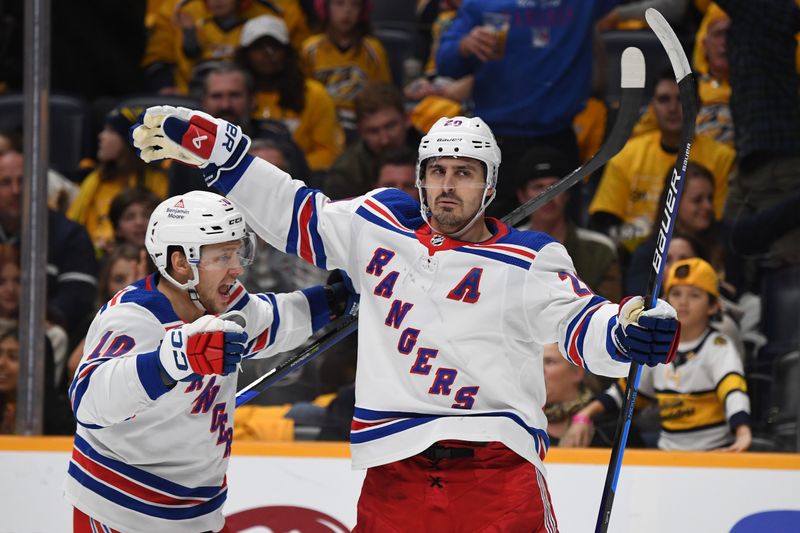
(588, 456)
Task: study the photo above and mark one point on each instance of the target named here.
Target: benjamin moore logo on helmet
(172, 212)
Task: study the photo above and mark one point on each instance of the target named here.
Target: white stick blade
(670, 42)
(632, 68)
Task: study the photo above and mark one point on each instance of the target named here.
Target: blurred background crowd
(339, 92)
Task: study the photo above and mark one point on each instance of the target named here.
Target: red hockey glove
(209, 345)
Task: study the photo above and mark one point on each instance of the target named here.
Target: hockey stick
(688, 93)
(632, 84)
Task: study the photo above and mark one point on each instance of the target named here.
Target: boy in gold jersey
(702, 395)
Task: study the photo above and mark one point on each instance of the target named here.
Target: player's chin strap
(189, 286)
(425, 211)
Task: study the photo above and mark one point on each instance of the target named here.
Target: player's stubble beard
(449, 218)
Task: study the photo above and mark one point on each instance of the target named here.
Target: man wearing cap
(285, 94)
(594, 254)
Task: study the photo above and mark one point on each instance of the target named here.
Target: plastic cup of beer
(499, 23)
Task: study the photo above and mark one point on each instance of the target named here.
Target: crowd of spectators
(312, 83)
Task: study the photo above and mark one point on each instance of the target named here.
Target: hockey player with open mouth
(154, 393)
(455, 308)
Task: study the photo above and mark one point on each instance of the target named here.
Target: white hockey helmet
(190, 221)
(459, 137)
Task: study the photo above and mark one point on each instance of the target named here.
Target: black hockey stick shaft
(343, 327)
(688, 95)
(632, 83)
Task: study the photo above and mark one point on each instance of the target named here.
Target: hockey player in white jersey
(154, 393)
(454, 310)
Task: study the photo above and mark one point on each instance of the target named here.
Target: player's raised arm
(281, 210)
(592, 332)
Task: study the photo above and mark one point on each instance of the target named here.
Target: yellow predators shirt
(344, 72)
(699, 394)
(632, 181)
(91, 206)
(714, 117)
(316, 129)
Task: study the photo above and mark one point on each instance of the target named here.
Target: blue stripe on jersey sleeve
(402, 206)
(229, 178)
(530, 239)
(318, 306)
(320, 258)
(367, 215)
(294, 237)
(238, 306)
(276, 318)
(80, 385)
(148, 368)
(594, 300)
(153, 301)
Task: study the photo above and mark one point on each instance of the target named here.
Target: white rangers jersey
(147, 458)
(701, 395)
(450, 332)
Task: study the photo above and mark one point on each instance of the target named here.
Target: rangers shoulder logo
(437, 240)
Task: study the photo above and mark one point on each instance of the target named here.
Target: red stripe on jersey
(148, 283)
(261, 341)
(573, 342)
(305, 241)
(388, 216)
(236, 292)
(123, 484)
(357, 425)
(525, 253)
(82, 523)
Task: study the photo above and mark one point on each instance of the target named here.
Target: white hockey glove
(209, 345)
(192, 137)
(647, 337)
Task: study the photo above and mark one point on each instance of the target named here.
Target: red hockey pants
(495, 490)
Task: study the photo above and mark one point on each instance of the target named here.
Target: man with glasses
(624, 205)
(154, 393)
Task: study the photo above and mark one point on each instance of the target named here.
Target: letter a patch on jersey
(467, 288)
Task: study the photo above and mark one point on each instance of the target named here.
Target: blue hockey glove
(647, 337)
(192, 137)
(342, 297)
(209, 345)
